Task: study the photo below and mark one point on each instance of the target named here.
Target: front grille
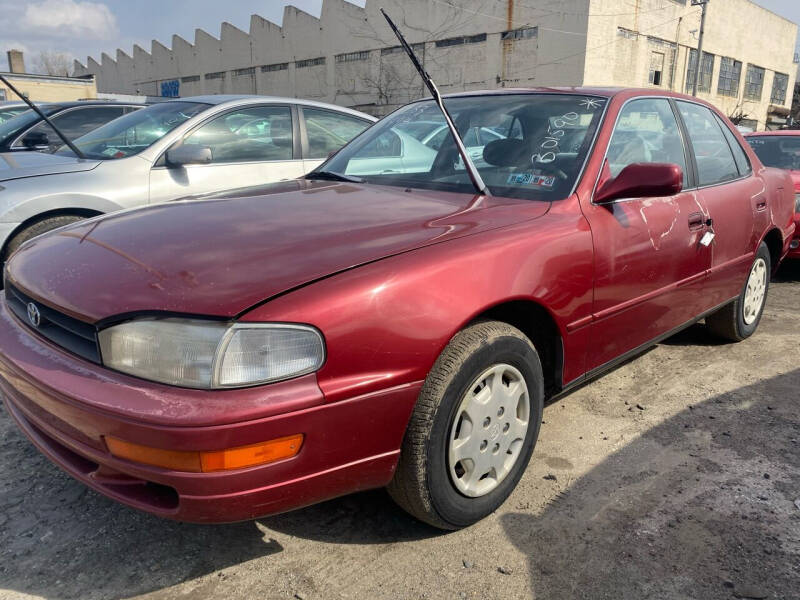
(67, 332)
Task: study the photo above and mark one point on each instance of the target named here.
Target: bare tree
(50, 62)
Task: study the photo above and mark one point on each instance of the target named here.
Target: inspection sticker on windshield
(530, 179)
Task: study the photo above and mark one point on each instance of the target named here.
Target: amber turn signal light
(205, 462)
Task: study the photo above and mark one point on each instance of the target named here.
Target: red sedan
(380, 323)
(781, 149)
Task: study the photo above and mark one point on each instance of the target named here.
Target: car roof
(245, 99)
(789, 132)
(606, 92)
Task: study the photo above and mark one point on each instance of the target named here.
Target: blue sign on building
(170, 89)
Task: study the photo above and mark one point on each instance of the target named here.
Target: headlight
(208, 354)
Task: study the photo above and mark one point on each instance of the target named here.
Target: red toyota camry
(781, 149)
(381, 322)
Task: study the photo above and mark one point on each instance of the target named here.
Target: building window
(352, 56)
(2, 95)
(656, 68)
(748, 124)
(779, 85)
(458, 41)
(753, 82)
(706, 70)
(628, 34)
(275, 67)
(524, 33)
(217, 75)
(417, 48)
(190, 79)
(247, 71)
(730, 71)
(309, 62)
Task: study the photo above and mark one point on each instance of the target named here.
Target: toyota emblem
(34, 316)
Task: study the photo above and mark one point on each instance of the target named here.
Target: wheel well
(535, 322)
(774, 243)
(81, 212)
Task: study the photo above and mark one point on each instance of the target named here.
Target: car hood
(219, 257)
(17, 165)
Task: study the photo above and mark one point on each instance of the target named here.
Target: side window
(715, 162)
(257, 133)
(647, 132)
(739, 156)
(328, 131)
(77, 122)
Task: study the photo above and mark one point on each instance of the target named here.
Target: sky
(81, 28)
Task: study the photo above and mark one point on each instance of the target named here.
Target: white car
(169, 150)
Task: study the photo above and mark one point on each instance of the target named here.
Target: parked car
(221, 359)
(27, 130)
(166, 151)
(781, 149)
(9, 110)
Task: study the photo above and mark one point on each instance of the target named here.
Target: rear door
(250, 145)
(735, 199)
(325, 131)
(649, 263)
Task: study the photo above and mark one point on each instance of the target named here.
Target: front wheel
(474, 427)
(739, 319)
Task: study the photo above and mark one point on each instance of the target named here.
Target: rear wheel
(739, 319)
(474, 427)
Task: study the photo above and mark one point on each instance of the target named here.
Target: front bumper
(66, 406)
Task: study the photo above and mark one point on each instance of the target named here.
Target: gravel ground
(676, 476)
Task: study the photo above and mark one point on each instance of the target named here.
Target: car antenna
(472, 170)
(35, 109)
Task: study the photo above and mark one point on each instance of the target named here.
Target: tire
(38, 228)
(430, 482)
(738, 320)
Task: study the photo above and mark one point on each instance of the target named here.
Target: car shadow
(788, 271)
(660, 519)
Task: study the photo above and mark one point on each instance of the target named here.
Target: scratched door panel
(732, 195)
(649, 271)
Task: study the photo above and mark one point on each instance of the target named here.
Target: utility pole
(702, 3)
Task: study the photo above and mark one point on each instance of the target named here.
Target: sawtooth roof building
(349, 56)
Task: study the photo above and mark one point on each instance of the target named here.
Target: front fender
(385, 323)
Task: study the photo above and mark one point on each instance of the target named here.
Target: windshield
(782, 152)
(10, 113)
(529, 146)
(136, 131)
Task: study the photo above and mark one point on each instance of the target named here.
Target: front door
(649, 262)
(249, 146)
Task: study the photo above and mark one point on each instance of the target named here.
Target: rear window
(779, 151)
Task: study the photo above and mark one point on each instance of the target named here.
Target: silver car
(166, 151)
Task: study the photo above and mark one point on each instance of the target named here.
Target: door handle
(761, 205)
(696, 221)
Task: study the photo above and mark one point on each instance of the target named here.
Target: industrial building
(349, 56)
(44, 88)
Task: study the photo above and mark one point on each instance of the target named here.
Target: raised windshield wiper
(35, 109)
(332, 176)
(472, 170)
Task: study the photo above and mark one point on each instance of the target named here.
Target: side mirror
(642, 180)
(36, 140)
(188, 154)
